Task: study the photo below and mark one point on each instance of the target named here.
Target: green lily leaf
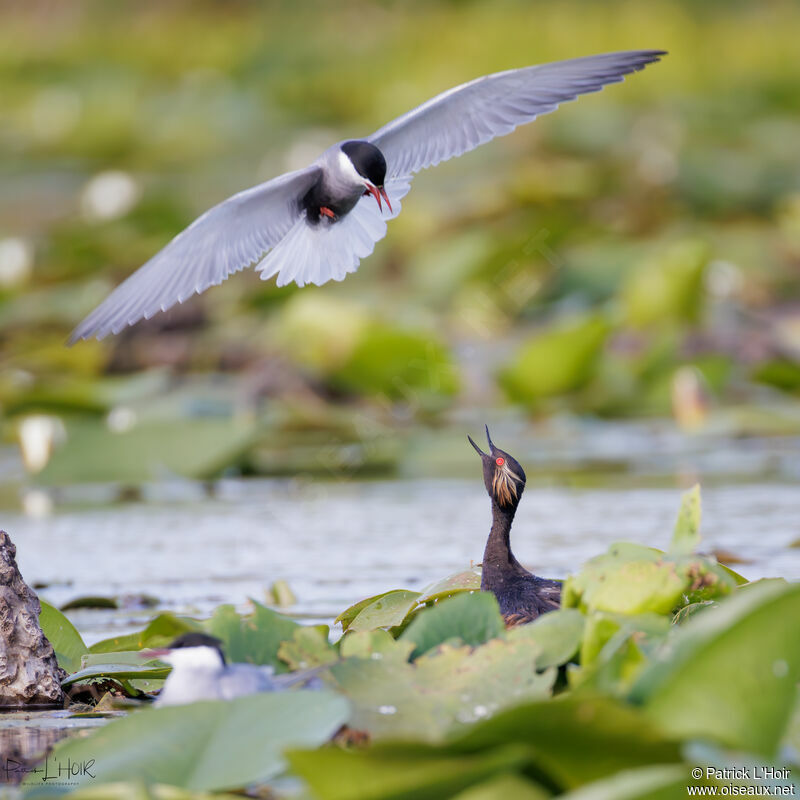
(632, 579)
(386, 611)
(252, 638)
(209, 745)
(308, 647)
(159, 631)
(730, 674)
(119, 672)
(469, 618)
(196, 448)
(504, 787)
(686, 536)
(646, 783)
(575, 739)
(558, 634)
(465, 581)
(61, 633)
(399, 772)
(349, 614)
(441, 691)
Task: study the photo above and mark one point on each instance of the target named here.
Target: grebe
(522, 596)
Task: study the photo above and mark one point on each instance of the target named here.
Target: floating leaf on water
(555, 361)
(91, 601)
(281, 594)
(61, 633)
(557, 633)
(667, 288)
(253, 638)
(730, 674)
(135, 791)
(209, 745)
(442, 691)
(349, 614)
(466, 581)
(686, 535)
(470, 618)
(159, 632)
(386, 611)
(308, 647)
(194, 448)
(378, 645)
(657, 782)
(400, 771)
(119, 672)
(633, 579)
(505, 787)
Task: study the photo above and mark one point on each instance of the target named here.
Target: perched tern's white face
(204, 658)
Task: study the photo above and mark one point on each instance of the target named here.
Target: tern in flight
(316, 224)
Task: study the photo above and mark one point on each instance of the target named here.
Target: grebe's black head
(370, 164)
(502, 474)
(196, 639)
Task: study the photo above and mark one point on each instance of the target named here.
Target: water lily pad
(252, 638)
(632, 579)
(576, 739)
(386, 611)
(730, 674)
(61, 633)
(308, 647)
(209, 745)
(686, 536)
(667, 288)
(120, 672)
(399, 772)
(466, 581)
(91, 601)
(135, 790)
(558, 634)
(505, 787)
(378, 645)
(646, 783)
(195, 448)
(442, 691)
(555, 361)
(158, 632)
(469, 618)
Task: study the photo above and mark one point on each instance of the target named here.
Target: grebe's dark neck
(498, 560)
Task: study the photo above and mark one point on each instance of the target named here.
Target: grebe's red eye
(500, 461)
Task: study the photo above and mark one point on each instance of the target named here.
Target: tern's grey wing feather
(469, 115)
(224, 240)
(237, 680)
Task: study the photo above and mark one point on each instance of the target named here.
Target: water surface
(336, 543)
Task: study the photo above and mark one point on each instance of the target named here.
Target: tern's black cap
(368, 161)
(197, 639)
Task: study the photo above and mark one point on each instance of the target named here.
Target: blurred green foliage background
(634, 254)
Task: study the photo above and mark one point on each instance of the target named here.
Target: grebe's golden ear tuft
(504, 484)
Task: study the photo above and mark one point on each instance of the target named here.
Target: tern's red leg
(325, 211)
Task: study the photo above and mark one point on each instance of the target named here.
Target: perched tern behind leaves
(316, 224)
(200, 672)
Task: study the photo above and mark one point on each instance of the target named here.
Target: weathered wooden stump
(29, 672)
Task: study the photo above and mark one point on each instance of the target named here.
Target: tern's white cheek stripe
(349, 171)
